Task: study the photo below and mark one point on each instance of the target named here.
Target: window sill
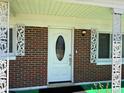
(106, 61)
(12, 56)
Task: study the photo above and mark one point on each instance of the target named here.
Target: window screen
(10, 40)
(104, 45)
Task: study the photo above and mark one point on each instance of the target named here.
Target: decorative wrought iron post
(93, 48)
(117, 52)
(4, 46)
(20, 28)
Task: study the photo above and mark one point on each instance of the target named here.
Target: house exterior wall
(84, 71)
(31, 69)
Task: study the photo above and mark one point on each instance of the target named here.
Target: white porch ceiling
(59, 8)
(73, 13)
(104, 3)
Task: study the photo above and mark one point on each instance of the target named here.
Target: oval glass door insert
(60, 48)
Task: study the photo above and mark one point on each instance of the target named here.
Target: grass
(102, 91)
(106, 85)
(100, 88)
(28, 91)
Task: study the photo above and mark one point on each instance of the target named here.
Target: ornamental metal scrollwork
(93, 46)
(20, 40)
(3, 76)
(3, 41)
(3, 28)
(4, 25)
(117, 55)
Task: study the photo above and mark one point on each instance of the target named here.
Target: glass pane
(60, 48)
(104, 45)
(10, 40)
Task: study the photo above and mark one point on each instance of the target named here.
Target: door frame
(72, 51)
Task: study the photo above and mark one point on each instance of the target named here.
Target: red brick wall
(31, 69)
(84, 71)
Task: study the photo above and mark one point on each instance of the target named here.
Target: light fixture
(83, 32)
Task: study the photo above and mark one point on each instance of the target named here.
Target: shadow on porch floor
(67, 89)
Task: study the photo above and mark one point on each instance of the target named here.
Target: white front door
(59, 55)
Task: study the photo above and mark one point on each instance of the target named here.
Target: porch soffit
(59, 8)
(68, 8)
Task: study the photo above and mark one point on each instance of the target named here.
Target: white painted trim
(14, 41)
(72, 52)
(14, 48)
(47, 56)
(59, 27)
(118, 11)
(12, 56)
(60, 21)
(97, 46)
(106, 61)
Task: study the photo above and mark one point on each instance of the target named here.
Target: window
(10, 40)
(104, 52)
(104, 45)
(60, 48)
(12, 44)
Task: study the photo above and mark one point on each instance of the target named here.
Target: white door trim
(72, 51)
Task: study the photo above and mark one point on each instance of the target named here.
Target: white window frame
(12, 56)
(104, 61)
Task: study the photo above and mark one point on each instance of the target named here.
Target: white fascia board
(118, 11)
(103, 3)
